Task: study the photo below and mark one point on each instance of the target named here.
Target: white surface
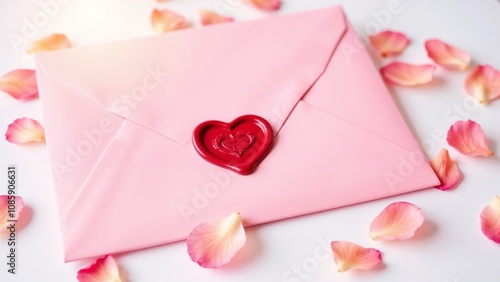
(450, 246)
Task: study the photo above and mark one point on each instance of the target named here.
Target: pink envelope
(119, 119)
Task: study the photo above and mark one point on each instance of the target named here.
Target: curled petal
(51, 42)
(468, 138)
(407, 74)
(103, 269)
(25, 130)
(483, 83)
(348, 255)
(20, 84)
(398, 221)
(214, 243)
(446, 170)
(208, 17)
(490, 220)
(166, 20)
(16, 208)
(389, 42)
(267, 5)
(446, 55)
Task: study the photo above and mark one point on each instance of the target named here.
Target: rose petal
(214, 243)
(48, 43)
(103, 269)
(25, 130)
(446, 55)
(407, 74)
(6, 214)
(166, 20)
(208, 17)
(398, 221)
(483, 83)
(267, 5)
(348, 255)
(490, 220)
(468, 138)
(20, 84)
(389, 43)
(446, 170)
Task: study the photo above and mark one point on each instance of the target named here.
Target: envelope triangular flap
(171, 83)
(77, 133)
(358, 95)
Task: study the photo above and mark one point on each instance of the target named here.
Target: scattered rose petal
(446, 170)
(446, 55)
(267, 5)
(166, 20)
(103, 269)
(398, 221)
(208, 17)
(6, 214)
(20, 84)
(48, 43)
(490, 220)
(25, 130)
(468, 138)
(214, 243)
(348, 255)
(407, 74)
(389, 43)
(483, 83)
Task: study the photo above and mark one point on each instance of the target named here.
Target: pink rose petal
(446, 55)
(20, 84)
(49, 43)
(103, 269)
(483, 83)
(16, 208)
(214, 243)
(267, 5)
(398, 221)
(348, 255)
(446, 170)
(468, 138)
(490, 220)
(25, 130)
(166, 20)
(389, 43)
(208, 17)
(407, 74)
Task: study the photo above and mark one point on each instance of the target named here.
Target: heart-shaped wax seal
(239, 145)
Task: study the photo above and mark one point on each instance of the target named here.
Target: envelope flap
(77, 132)
(171, 83)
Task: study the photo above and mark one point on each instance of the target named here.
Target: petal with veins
(483, 83)
(446, 170)
(408, 74)
(468, 138)
(389, 43)
(348, 255)
(446, 55)
(214, 243)
(25, 130)
(20, 84)
(398, 221)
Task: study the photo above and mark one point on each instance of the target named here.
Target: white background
(448, 248)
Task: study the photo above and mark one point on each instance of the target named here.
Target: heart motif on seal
(239, 145)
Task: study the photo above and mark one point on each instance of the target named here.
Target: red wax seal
(239, 145)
